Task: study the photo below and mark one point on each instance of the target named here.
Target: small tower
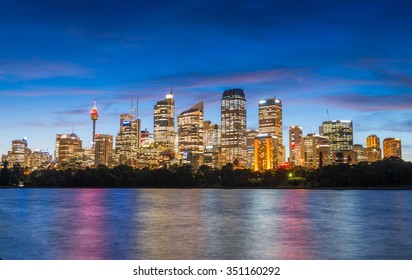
(94, 116)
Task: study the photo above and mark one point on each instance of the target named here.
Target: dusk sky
(352, 58)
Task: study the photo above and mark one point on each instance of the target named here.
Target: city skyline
(341, 60)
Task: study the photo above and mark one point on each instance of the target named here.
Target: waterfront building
(103, 150)
(360, 153)
(213, 156)
(373, 149)
(270, 122)
(190, 132)
(18, 153)
(264, 149)
(127, 140)
(340, 136)
(164, 123)
(315, 151)
(250, 147)
(69, 151)
(295, 147)
(40, 159)
(392, 148)
(233, 126)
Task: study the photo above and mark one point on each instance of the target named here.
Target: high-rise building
(127, 140)
(295, 147)
(94, 115)
(103, 150)
(315, 151)
(360, 153)
(392, 148)
(233, 116)
(373, 149)
(251, 134)
(212, 134)
(17, 155)
(340, 136)
(164, 123)
(270, 122)
(264, 149)
(190, 132)
(69, 152)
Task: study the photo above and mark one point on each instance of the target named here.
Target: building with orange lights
(392, 148)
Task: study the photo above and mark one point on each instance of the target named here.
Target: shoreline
(406, 187)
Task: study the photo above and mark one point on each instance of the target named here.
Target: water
(204, 224)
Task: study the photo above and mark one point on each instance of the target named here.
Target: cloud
(370, 103)
(35, 69)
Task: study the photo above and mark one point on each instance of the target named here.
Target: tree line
(385, 173)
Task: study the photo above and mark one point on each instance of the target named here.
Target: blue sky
(352, 58)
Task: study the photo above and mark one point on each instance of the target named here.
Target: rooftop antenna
(327, 113)
(137, 107)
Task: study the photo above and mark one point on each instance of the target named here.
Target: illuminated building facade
(392, 148)
(340, 136)
(264, 149)
(315, 151)
(164, 123)
(251, 134)
(373, 148)
(360, 153)
(190, 133)
(18, 154)
(212, 134)
(233, 117)
(127, 140)
(270, 122)
(103, 150)
(69, 152)
(295, 146)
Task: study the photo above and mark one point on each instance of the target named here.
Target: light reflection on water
(204, 224)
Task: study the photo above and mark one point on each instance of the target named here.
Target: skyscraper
(264, 149)
(127, 140)
(270, 122)
(316, 151)
(69, 152)
(103, 149)
(295, 147)
(373, 149)
(233, 116)
(164, 123)
(392, 148)
(17, 155)
(190, 132)
(340, 136)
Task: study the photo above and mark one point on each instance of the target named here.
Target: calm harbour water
(204, 224)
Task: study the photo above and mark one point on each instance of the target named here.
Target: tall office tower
(315, 151)
(373, 148)
(295, 139)
(340, 136)
(250, 147)
(94, 116)
(233, 116)
(264, 150)
(127, 140)
(392, 148)
(69, 152)
(103, 150)
(212, 134)
(190, 133)
(164, 123)
(270, 122)
(17, 155)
